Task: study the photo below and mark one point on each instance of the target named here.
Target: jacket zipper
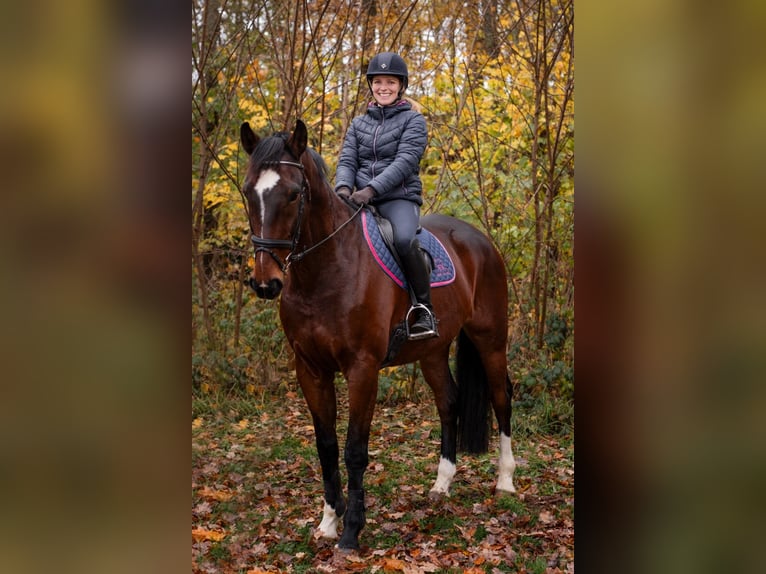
(375, 142)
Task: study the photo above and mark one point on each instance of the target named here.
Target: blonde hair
(415, 105)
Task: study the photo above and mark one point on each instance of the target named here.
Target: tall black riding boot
(424, 324)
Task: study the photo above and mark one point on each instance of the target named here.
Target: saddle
(379, 235)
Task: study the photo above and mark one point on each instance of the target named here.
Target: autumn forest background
(495, 81)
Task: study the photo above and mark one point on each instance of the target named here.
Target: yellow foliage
(493, 122)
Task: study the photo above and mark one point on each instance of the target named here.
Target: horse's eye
(293, 196)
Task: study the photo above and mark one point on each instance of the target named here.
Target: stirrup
(428, 333)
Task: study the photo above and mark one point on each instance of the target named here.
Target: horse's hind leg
(495, 365)
(319, 391)
(489, 340)
(506, 463)
(438, 376)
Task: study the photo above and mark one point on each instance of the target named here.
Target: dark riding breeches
(404, 216)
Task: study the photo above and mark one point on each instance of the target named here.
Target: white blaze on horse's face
(266, 181)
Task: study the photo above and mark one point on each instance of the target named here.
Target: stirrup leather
(430, 332)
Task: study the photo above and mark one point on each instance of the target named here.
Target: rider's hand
(344, 192)
(363, 196)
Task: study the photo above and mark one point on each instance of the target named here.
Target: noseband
(266, 245)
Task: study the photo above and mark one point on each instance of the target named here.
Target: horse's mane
(270, 149)
(319, 161)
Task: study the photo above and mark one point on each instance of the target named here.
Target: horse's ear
(247, 137)
(298, 141)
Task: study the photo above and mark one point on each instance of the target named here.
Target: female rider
(380, 158)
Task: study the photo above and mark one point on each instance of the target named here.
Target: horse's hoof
(437, 495)
(346, 550)
(502, 492)
(342, 558)
(324, 540)
(322, 534)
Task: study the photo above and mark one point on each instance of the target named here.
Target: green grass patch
(289, 447)
(232, 404)
(511, 504)
(546, 415)
(537, 565)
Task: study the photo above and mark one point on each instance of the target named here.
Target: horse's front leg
(363, 390)
(319, 390)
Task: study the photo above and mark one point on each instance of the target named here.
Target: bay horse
(338, 309)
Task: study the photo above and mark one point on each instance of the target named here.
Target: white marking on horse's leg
(328, 528)
(268, 179)
(444, 477)
(506, 465)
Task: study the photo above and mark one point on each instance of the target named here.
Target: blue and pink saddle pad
(442, 272)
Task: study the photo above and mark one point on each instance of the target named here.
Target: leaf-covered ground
(257, 499)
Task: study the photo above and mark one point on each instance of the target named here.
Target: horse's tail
(473, 422)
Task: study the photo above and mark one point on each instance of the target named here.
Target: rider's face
(385, 89)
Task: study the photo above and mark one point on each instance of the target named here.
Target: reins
(266, 244)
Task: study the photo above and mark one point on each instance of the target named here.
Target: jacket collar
(378, 112)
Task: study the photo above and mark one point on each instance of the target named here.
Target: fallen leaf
(393, 564)
(202, 509)
(545, 517)
(259, 549)
(200, 534)
(218, 495)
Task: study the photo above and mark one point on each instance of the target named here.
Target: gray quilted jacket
(382, 149)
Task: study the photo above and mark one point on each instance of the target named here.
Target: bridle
(267, 245)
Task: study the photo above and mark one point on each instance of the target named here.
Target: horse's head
(275, 187)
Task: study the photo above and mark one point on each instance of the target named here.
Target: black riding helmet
(388, 64)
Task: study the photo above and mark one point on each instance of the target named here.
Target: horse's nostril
(265, 290)
(273, 289)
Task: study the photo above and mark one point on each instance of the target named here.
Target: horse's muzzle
(265, 290)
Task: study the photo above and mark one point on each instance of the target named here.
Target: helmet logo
(384, 66)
